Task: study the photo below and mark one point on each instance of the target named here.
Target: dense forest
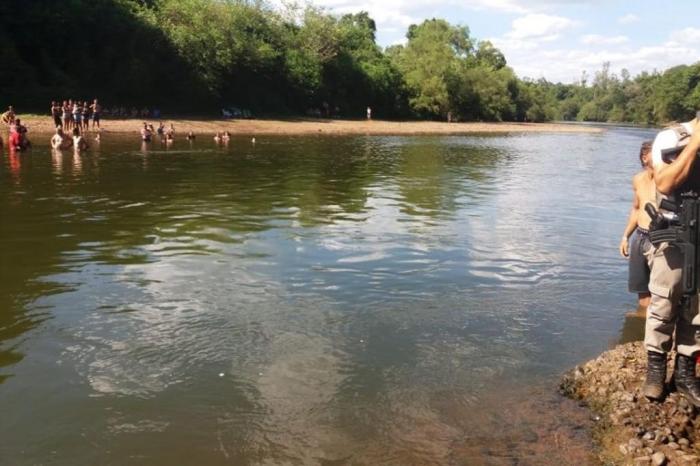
(195, 56)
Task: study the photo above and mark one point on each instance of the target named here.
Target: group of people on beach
(89, 110)
(662, 257)
(72, 114)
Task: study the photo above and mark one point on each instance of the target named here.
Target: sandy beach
(303, 126)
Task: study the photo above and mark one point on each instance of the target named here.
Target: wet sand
(303, 126)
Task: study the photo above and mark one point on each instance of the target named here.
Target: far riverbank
(303, 126)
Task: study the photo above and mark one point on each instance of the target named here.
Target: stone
(658, 459)
(683, 442)
(635, 444)
(623, 449)
(673, 446)
(642, 461)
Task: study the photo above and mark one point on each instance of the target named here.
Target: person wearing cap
(668, 315)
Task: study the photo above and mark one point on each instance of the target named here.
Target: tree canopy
(193, 56)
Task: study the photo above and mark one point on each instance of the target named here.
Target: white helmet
(675, 137)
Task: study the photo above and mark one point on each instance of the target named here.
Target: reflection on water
(357, 300)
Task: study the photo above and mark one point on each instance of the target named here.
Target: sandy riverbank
(43, 124)
(631, 430)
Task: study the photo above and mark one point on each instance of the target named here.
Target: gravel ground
(632, 430)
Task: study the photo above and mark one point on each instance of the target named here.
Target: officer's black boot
(656, 375)
(686, 382)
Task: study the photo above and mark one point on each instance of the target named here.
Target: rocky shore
(630, 429)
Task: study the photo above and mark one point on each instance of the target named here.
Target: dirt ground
(299, 126)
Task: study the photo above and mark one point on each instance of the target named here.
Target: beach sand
(303, 126)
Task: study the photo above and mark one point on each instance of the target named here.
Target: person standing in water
(146, 133)
(635, 243)
(79, 142)
(59, 140)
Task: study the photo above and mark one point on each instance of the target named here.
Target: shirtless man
(79, 142)
(96, 112)
(56, 113)
(637, 227)
(59, 140)
(146, 133)
(9, 116)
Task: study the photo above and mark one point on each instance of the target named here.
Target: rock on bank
(632, 430)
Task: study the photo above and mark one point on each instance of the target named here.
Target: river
(309, 300)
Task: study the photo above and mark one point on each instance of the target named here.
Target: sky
(554, 39)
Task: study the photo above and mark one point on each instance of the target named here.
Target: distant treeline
(195, 56)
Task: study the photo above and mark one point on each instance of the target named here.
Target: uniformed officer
(667, 312)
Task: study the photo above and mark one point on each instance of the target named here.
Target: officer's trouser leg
(664, 314)
(664, 285)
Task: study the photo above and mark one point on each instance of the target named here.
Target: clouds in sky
(566, 63)
(628, 19)
(554, 39)
(597, 39)
(539, 26)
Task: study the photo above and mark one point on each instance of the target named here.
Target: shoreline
(629, 428)
(307, 126)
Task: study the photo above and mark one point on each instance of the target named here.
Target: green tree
(431, 56)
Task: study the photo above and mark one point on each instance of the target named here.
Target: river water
(309, 300)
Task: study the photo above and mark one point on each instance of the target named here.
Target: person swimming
(218, 137)
(170, 133)
(190, 136)
(226, 136)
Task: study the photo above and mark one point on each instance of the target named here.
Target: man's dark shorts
(639, 246)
